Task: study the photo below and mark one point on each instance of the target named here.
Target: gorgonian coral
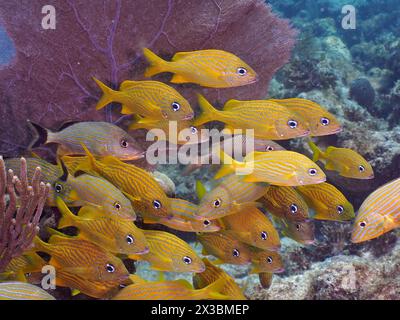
(50, 79)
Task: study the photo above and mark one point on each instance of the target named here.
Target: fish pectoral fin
(75, 292)
(329, 165)
(131, 197)
(126, 109)
(177, 78)
(185, 283)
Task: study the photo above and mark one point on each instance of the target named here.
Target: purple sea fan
(21, 206)
(50, 78)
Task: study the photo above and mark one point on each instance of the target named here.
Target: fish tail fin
(157, 65)
(40, 135)
(315, 150)
(67, 217)
(209, 113)
(213, 290)
(200, 189)
(229, 165)
(38, 245)
(107, 97)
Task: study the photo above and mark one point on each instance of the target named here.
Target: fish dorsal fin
(200, 189)
(131, 197)
(231, 104)
(127, 84)
(67, 124)
(180, 55)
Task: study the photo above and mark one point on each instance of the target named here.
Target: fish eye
(175, 106)
(264, 235)
(292, 124)
(298, 227)
(241, 71)
(325, 121)
(293, 208)
(124, 143)
(58, 187)
(130, 239)
(363, 224)
(217, 203)
(157, 204)
(117, 205)
(193, 130)
(340, 209)
(236, 253)
(206, 223)
(110, 268)
(187, 260)
(312, 172)
(361, 168)
(269, 259)
(269, 148)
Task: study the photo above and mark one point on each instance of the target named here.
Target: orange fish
(269, 120)
(171, 290)
(320, 121)
(281, 168)
(214, 273)
(285, 202)
(169, 253)
(137, 184)
(300, 231)
(378, 214)
(265, 279)
(231, 195)
(152, 99)
(111, 233)
(266, 261)
(184, 218)
(225, 247)
(346, 162)
(251, 226)
(208, 68)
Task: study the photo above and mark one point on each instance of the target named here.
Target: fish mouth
(135, 157)
(372, 176)
(280, 270)
(340, 129)
(189, 116)
(308, 242)
(200, 270)
(144, 251)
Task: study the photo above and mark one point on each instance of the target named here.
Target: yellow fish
(346, 162)
(152, 99)
(214, 273)
(83, 265)
(281, 168)
(225, 246)
(20, 266)
(180, 132)
(169, 253)
(88, 190)
(378, 214)
(230, 196)
(113, 234)
(327, 201)
(171, 290)
(137, 184)
(300, 231)
(320, 121)
(101, 138)
(22, 291)
(269, 120)
(184, 218)
(208, 68)
(251, 226)
(285, 202)
(266, 261)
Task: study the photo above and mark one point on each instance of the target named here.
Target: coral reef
(362, 92)
(20, 213)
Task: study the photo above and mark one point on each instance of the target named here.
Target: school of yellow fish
(102, 196)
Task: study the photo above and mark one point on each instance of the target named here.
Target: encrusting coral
(21, 206)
